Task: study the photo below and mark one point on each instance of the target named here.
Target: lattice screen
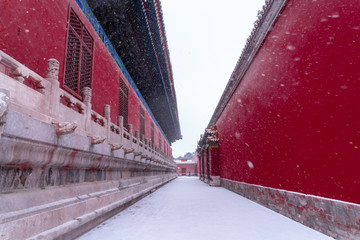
(78, 56)
(123, 100)
(142, 121)
(152, 133)
(160, 140)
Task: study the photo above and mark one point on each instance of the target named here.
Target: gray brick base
(340, 220)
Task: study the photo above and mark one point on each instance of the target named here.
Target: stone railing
(47, 102)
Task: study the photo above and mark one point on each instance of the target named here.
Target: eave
(136, 30)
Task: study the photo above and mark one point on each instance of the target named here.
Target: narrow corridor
(187, 208)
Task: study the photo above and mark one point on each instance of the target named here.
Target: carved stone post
(121, 125)
(131, 131)
(121, 121)
(87, 101)
(137, 145)
(86, 95)
(4, 103)
(108, 119)
(52, 75)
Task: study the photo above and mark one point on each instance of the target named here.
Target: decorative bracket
(137, 154)
(212, 134)
(115, 146)
(65, 127)
(128, 150)
(96, 139)
(4, 104)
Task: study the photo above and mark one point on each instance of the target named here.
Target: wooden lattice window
(79, 55)
(123, 101)
(142, 121)
(152, 133)
(160, 140)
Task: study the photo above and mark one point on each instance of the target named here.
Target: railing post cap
(53, 60)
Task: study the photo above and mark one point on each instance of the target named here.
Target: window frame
(152, 132)
(123, 98)
(71, 30)
(159, 140)
(142, 121)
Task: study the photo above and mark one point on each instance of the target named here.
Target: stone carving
(52, 69)
(20, 73)
(49, 177)
(107, 111)
(72, 103)
(96, 139)
(4, 104)
(13, 177)
(65, 127)
(4, 101)
(98, 119)
(115, 129)
(137, 154)
(121, 121)
(115, 146)
(86, 95)
(128, 150)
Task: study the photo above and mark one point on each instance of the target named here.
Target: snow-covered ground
(187, 208)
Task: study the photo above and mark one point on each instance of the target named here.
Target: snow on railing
(21, 72)
(49, 103)
(72, 102)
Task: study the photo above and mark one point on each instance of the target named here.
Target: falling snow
(290, 47)
(250, 164)
(335, 15)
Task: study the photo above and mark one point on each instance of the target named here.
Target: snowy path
(187, 208)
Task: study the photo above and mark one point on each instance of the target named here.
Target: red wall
(294, 121)
(32, 31)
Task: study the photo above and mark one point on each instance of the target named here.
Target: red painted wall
(32, 31)
(293, 122)
(214, 161)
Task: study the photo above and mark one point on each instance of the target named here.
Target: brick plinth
(337, 219)
(214, 181)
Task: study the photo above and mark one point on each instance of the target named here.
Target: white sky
(205, 39)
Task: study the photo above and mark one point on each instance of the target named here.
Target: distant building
(186, 167)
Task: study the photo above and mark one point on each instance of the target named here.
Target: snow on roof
(188, 162)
